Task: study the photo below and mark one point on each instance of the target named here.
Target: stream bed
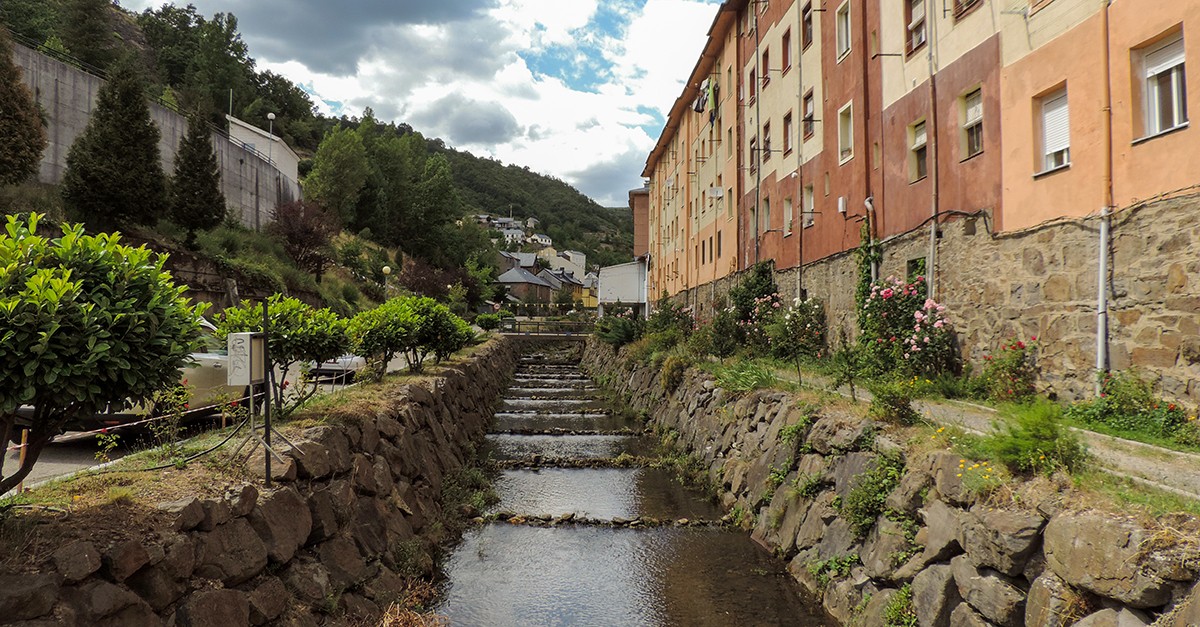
(685, 571)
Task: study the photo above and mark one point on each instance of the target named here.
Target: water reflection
(599, 493)
(566, 446)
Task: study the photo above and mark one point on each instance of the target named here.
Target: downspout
(934, 210)
(869, 201)
(1102, 271)
(756, 157)
(800, 152)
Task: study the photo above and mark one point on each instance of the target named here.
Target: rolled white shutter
(919, 136)
(1056, 124)
(918, 13)
(974, 107)
(1164, 57)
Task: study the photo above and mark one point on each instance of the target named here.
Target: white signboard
(246, 363)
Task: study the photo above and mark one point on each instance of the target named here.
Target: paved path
(1149, 465)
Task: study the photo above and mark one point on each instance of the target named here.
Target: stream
(673, 565)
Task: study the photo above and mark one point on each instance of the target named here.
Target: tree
(306, 229)
(382, 333)
(87, 30)
(34, 19)
(21, 131)
(85, 323)
(114, 175)
(196, 199)
(298, 335)
(340, 170)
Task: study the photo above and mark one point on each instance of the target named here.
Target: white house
(513, 235)
(540, 239)
(625, 284)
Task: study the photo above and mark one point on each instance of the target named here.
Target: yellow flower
(987, 476)
(962, 461)
(958, 475)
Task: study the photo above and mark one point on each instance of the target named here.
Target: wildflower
(939, 324)
(958, 475)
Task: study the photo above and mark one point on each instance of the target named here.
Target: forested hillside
(410, 192)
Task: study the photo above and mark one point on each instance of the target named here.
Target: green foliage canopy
(85, 323)
(21, 131)
(196, 198)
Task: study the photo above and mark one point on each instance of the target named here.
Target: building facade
(806, 124)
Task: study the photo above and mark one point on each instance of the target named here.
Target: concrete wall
(1042, 282)
(252, 188)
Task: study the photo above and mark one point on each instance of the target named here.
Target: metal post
(21, 463)
(267, 398)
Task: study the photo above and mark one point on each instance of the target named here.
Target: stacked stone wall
(1033, 561)
(352, 508)
(1043, 282)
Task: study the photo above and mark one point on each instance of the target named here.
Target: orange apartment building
(823, 114)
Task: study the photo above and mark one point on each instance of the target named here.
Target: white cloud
(435, 72)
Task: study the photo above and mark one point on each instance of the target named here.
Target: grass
(1125, 495)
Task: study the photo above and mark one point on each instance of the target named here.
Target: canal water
(673, 566)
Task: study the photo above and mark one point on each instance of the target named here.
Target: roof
(508, 232)
(560, 276)
(521, 275)
(541, 235)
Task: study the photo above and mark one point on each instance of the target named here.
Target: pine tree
(21, 131)
(196, 200)
(114, 174)
(87, 30)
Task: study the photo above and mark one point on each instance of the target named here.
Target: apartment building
(909, 114)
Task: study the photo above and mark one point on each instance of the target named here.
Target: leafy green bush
(899, 610)
(85, 323)
(673, 369)
(864, 504)
(488, 322)
(298, 336)
(1009, 374)
(438, 331)
(669, 316)
(892, 401)
(798, 333)
(382, 333)
(744, 376)
(903, 331)
(754, 285)
(1128, 405)
(619, 329)
(724, 334)
(1034, 439)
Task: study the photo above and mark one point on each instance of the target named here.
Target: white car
(342, 369)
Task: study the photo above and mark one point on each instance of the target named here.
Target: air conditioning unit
(841, 204)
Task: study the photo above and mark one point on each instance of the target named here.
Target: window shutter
(974, 107)
(919, 137)
(1164, 57)
(918, 13)
(1056, 126)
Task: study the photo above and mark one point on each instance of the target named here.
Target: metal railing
(546, 327)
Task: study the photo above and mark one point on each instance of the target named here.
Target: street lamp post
(271, 142)
(387, 272)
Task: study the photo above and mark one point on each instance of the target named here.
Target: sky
(576, 89)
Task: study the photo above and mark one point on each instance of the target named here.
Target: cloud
(577, 89)
(463, 121)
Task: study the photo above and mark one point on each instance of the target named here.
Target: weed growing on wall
(1128, 406)
(899, 610)
(863, 505)
(834, 568)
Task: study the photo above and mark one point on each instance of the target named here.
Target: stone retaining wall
(1042, 282)
(352, 506)
(1038, 564)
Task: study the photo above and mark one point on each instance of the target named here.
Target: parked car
(342, 369)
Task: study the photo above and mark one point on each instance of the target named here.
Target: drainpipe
(931, 265)
(1105, 226)
(755, 158)
(869, 205)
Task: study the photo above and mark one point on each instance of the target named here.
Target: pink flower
(926, 339)
(938, 324)
(888, 293)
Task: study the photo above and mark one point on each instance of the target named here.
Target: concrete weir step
(571, 519)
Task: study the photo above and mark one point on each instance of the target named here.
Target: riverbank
(877, 524)
(356, 512)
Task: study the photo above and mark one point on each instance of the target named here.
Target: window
(753, 84)
(729, 78)
(766, 67)
(1056, 131)
(766, 215)
(843, 30)
(846, 133)
(710, 249)
(729, 142)
(809, 114)
(752, 155)
(972, 106)
(787, 132)
(786, 50)
(963, 7)
(809, 200)
(806, 25)
(718, 244)
(1166, 87)
(728, 207)
(918, 153)
(766, 145)
(916, 25)
(787, 216)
